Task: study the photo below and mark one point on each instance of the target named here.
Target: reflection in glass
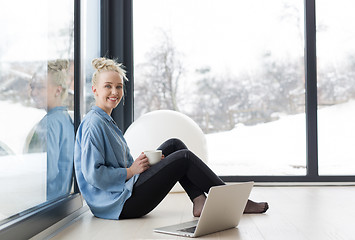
(54, 134)
(28, 41)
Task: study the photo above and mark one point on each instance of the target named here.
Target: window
(237, 69)
(35, 42)
(91, 49)
(336, 87)
(36, 66)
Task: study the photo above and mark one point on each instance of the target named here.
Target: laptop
(223, 209)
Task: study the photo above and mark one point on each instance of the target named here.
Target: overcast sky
(225, 34)
(232, 34)
(27, 28)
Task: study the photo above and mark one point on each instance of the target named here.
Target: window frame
(117, 43)
(310, 59)
(30, 222)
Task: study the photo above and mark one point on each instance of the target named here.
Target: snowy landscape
(274, 148)
(279, 147)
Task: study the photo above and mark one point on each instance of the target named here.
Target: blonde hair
(105, 64)
(58, 70)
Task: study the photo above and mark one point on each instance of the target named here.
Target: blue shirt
(54, 134)
(101, 157)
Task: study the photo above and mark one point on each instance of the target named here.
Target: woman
(113, 184)
(54, 134)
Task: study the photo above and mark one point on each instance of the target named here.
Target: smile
(113, 99)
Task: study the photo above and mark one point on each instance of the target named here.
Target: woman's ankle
(198, 203)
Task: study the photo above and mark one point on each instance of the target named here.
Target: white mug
(154, 156)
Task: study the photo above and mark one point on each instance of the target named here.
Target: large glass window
(236, 68)
(336, 86)
(36, 103)
(91, 49)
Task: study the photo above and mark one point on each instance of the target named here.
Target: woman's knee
(178, 143)
(172, 145)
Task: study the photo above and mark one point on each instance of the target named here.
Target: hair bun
(103, 63)
(58, 65)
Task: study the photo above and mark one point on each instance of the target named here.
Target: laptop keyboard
(189, 229)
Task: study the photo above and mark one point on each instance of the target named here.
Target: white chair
(153, 128)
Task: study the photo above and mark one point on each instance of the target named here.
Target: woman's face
(39, 92)
(108, 90)
(45, 94)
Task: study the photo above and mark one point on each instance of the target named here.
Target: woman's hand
(139, 165)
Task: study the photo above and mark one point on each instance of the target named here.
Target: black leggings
(179, 165)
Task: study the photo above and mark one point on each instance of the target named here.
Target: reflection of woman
(113, 184)
(54, 134)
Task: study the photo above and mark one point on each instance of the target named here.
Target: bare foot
(199, 202)
(253, 207)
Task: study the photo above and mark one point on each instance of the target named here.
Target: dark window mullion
(77, 66)
(77, 76)
(117, 43)
(311, 88)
